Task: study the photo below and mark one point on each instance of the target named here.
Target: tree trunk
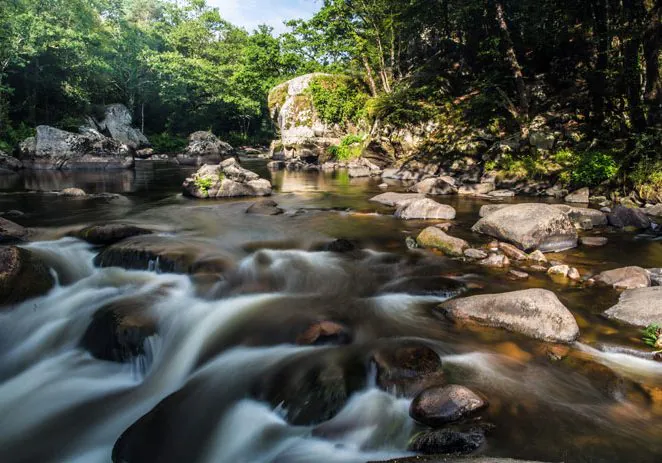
(632, 11)
(652, 48)
(369, 73)
(598, 84)
(513, 62)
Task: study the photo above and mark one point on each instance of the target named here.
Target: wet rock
(559, 270)
(436, 186)
(405, 369)
(425, 209)
(424, 286)
(512, 252)
(491, 208)
(9, 164)
(362, 168)
(624, 278)
(383, 186)
(265, 207)
(594, 241)
(621, 217)
(476, 189)
(536, 313)
(227, 180)
(537, 256)
(437, 406)
(640, 307)
(502, 194)
(584, 215)
(164, 254)
(396, 199)
(339, 246)
(530, 226)
(105, 235)
(447, 441)
(205, 148)
(518, 275)
(580, 196)
(22, 275)
(475, 254)
(574, 275)
(495, 261)
(434, 238)
(11, 232)
(73, 193)
(276, 165)
(118, 331)
(12, 214)
(325, 333)
(655, 275)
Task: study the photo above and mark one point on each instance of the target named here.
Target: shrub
(338, 99)
(167, 143)
(204, 183)
(594, 168)
(12, 136)
(350, 147)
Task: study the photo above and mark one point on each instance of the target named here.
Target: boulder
(447, 441)
(435, 238)
(513, 252)
(118, 330)
(9, 164)
(73, 193)
(655, 275)
(621, 217)
(117, 122)
(559, 270)
(164, 254)
(105, 235)
(205, 148)
(652, 211)
(325, 333)
(435, 186)
(11, 232)
(537, 256)
(594, 241)
(22, 275)
(53, 148)
(475, 254)
(517, 275)
(536, 313)
(425, 209)
(530, 226)
(580, 196)
(441, 405)
(639, 307)
(579, 214)
(362, 168)
(495, 261)
(407, 368)
(491, 208)
(265, 207)
(476, 189)
(502, 194)
(396, 199)
(226, 180)
(624, 278)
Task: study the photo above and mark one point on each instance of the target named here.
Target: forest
(488, 64)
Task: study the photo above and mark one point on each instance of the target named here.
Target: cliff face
(303, 134)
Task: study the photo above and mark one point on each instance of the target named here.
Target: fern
(652, 335)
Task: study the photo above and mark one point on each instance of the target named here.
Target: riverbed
(218, 341)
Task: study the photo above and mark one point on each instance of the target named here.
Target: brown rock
(437, 406)
(22, 276)
(624, 278)
(512, 251)
(323, 333)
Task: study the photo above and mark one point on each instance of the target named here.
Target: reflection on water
(58, 403)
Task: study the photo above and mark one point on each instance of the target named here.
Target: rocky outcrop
(580, 196)
(226, 180)
(425, 209)
(624, 278)
(11, 232)
(530, 226)
(536, 313)
(440, 405)
(435, 238)
(9, 164)
(303, 134)
(621, 217)
(53, 148)
(117, 123)
(105, 235)
(639, 307)
(22, 276)
(205, 148)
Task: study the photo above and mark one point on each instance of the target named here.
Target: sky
(251, 13)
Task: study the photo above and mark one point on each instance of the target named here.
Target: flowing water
(197, 390)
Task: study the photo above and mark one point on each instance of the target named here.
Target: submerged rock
(437, 406)
(594, 241)
(426, 209)
(405, 369)
(396, 199)
(435, 238)
(226, 180)
(640, 307)
(530, 226)
(11, 232)
(205, 148)
(22, 276)
(536, 313)
(622, 217)
(105, 235)
(325, 333)
(624, 278)
(265, 207)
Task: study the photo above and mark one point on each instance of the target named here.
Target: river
(200, 390)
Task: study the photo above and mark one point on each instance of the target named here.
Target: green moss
(278, 96)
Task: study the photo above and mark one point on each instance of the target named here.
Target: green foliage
(204, 184)
(402, 108)
(594, 168)
(338, 99)
(652, 336)
(350, 148)
(11, 136)
(166, 143)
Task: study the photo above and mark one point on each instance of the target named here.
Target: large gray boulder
(530, 227)
(425, 209)
(117, 122)
(639, 307)
(579, 215)
(621, 217)
(226, 180)
(536, 313)
(53, 148)
(435, 186)
(205, 148)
